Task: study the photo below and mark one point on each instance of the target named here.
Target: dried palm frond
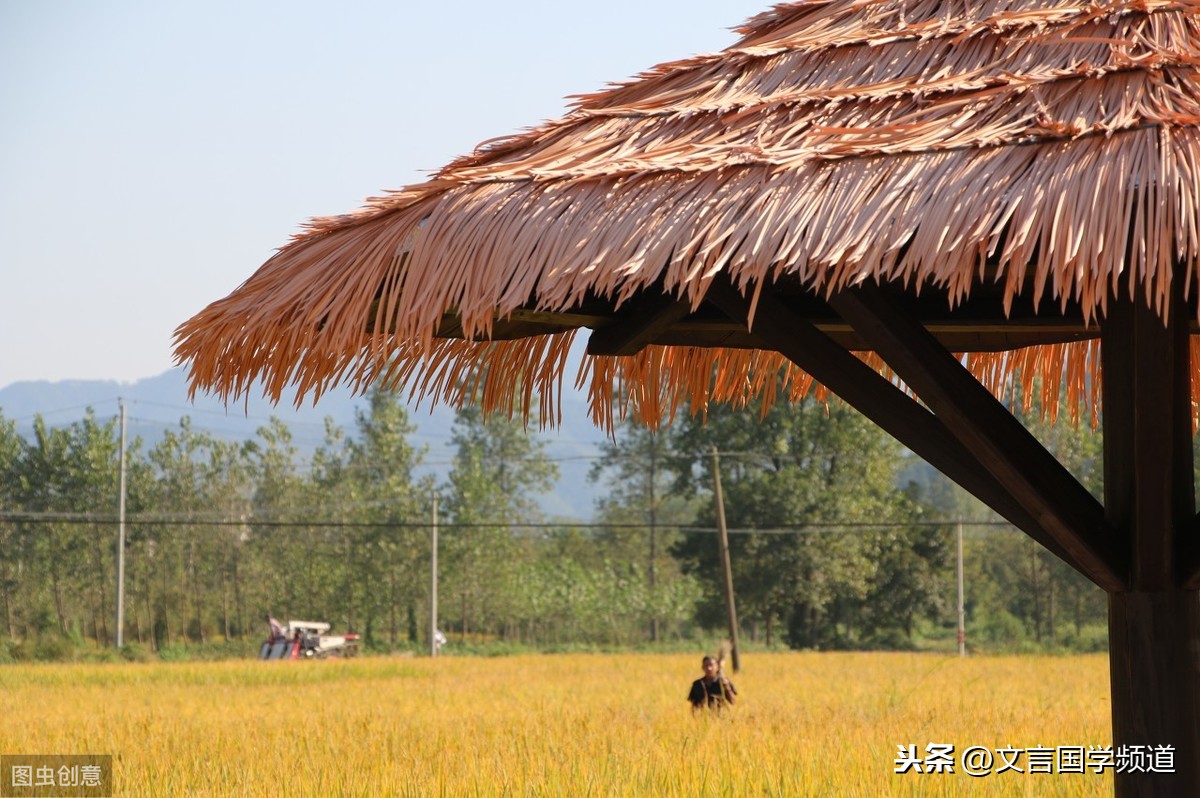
(1049, 148)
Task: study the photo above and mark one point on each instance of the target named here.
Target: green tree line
(832, 545)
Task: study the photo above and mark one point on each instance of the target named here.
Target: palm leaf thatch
(1044, 151)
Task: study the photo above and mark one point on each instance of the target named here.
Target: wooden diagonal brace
(782, 330)
(1019, 463)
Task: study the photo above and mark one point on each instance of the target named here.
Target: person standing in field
(712, 690)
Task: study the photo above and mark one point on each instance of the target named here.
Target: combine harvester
(309, 640)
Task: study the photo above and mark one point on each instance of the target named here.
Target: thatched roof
(1027, 151)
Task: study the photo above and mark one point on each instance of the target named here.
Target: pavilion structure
(917, 204)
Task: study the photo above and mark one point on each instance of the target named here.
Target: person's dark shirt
(714, 694)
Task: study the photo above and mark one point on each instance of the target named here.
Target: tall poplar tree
(499, 468)
(389, 557)
(637, 468)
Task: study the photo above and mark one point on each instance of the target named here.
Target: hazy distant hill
(157, 403)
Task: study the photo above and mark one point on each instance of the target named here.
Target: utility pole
(725, 563)
(433, 582)
(962, 626)
(120, 632)
(653, 574)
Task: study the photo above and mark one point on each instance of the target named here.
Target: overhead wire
(214, 520)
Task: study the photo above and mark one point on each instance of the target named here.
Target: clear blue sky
(154, 154)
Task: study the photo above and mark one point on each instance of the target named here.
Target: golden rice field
(556, 725)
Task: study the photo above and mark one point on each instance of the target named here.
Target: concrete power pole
(653, 573)
(120, 632)
(725, 562)
(433, 583)
(962, 615)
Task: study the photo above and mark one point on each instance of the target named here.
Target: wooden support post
(1154, 668)
(1154, 627)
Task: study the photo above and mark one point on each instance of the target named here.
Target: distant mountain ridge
(158, 403)
(161, 400)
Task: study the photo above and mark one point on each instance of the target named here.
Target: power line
(44, 413)
(189, 411)
(193, 520)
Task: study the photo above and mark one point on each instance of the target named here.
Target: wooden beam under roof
(641, 321)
